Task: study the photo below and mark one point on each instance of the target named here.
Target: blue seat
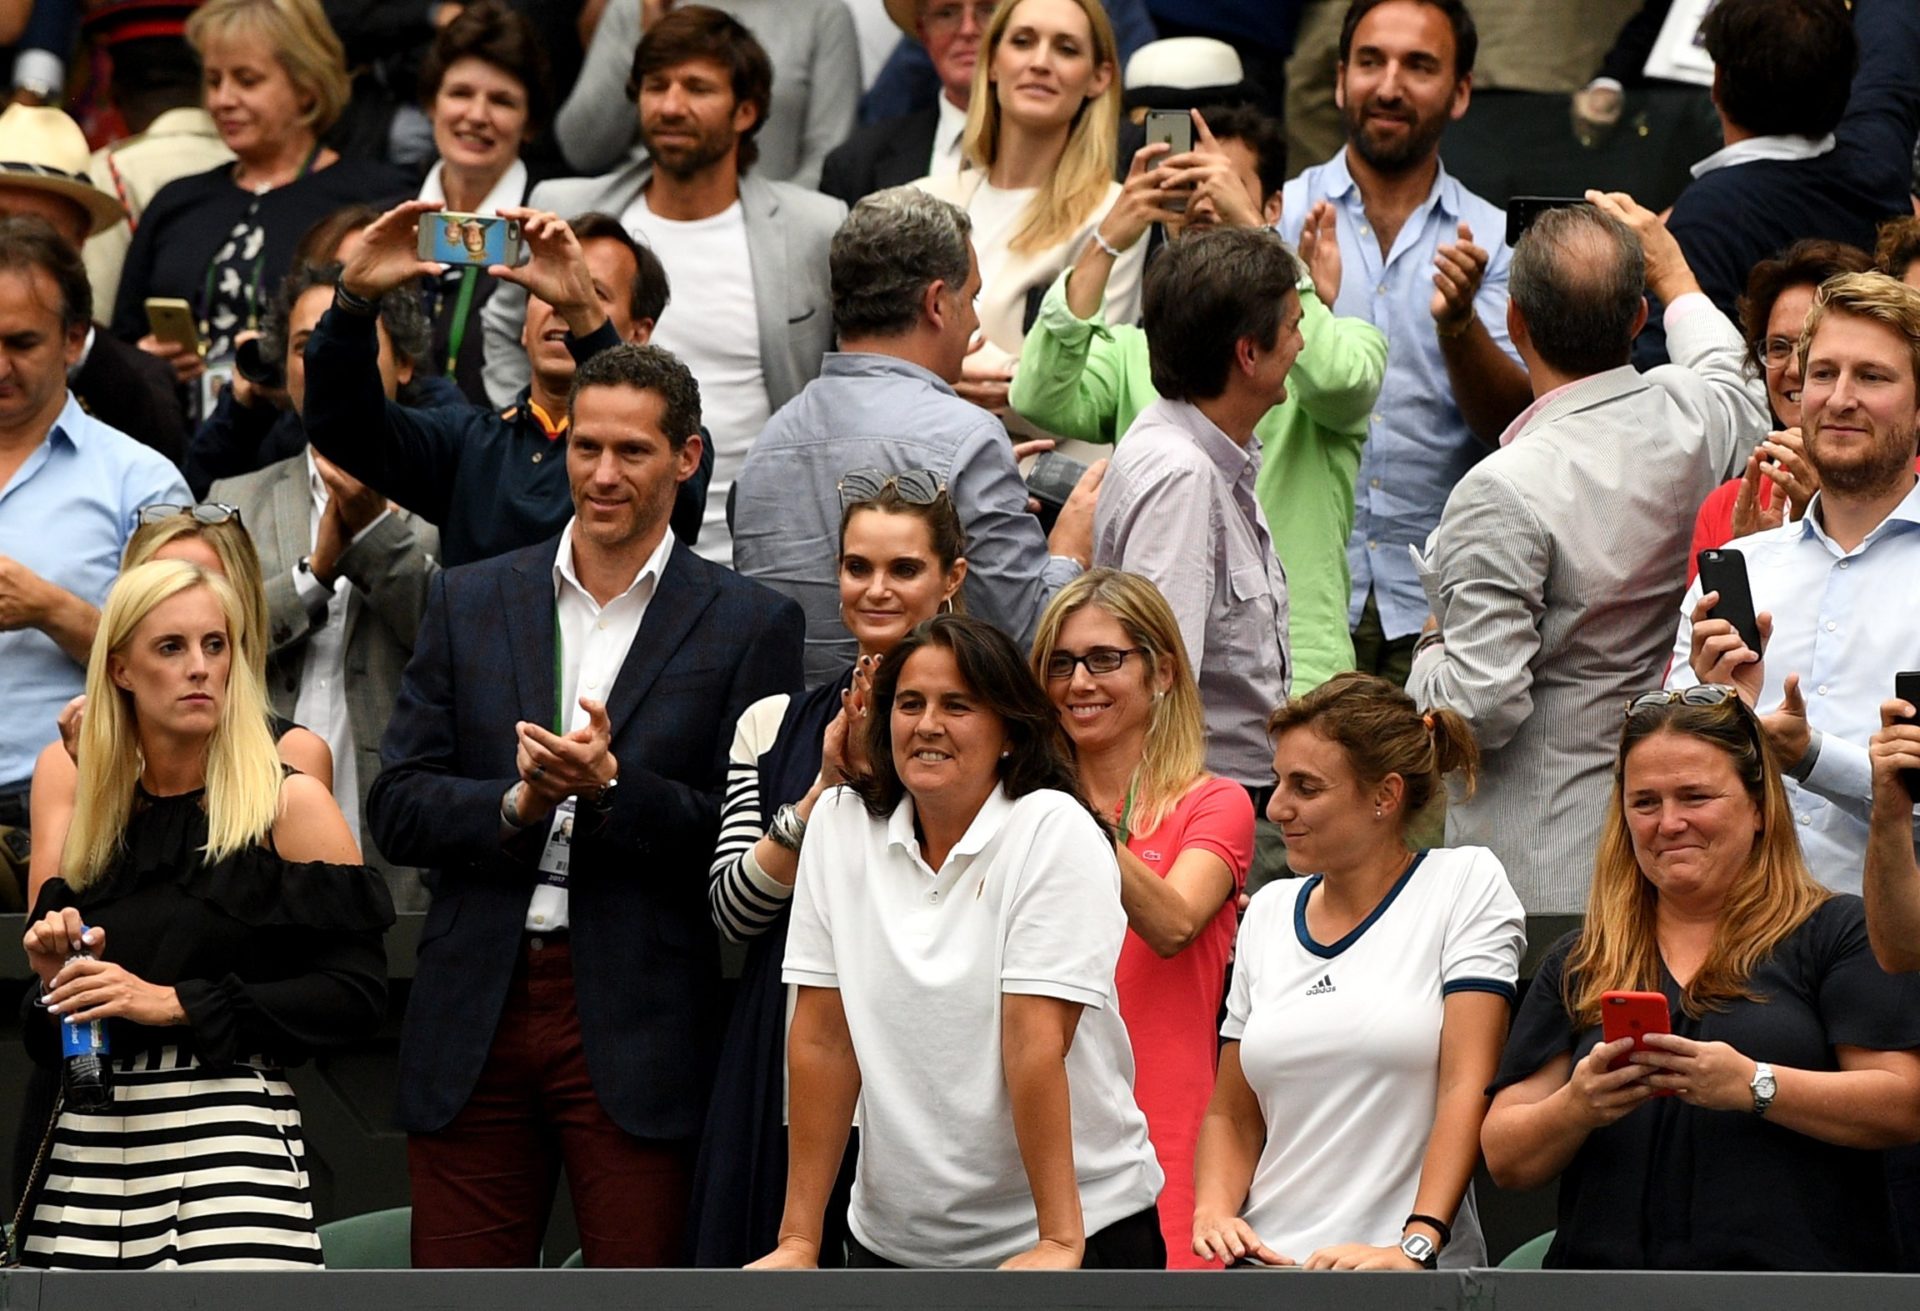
(378, 1240)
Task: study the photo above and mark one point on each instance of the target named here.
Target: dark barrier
(727, 1290)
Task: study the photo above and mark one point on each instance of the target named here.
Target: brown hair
(1617, 947)
(944, 530)
(1803, 264)
(1383, 732)
(492, 33)
(701, 32)
(1898, 245)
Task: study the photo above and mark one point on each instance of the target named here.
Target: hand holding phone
(1634, 1015)
(1174, 129)
(1522, 211)
(1906, 686)
(171, 320)
(1725, 571)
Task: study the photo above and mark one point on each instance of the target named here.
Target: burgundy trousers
(483, 1186)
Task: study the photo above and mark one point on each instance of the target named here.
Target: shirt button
(933, 896)
(1806, 819)
(1382, 289)
(537, 455)
(1823, 689)
(1843, 564)
(1372, 545)
(1831, 627)
(539, 919)
(1373, 482)
(602, 625)
(1373, 418)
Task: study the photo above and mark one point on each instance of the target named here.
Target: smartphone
(1725, 571)
(1634, 1015)
(1906, 686)
(1175, 128)
(1523, 210)
(171, 319)
(1050, 480)
(448, 237)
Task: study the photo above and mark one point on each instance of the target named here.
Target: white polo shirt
(1027, 902)
(1340, 1043)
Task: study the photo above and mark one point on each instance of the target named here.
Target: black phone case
(1906, 686)
(1725, 571)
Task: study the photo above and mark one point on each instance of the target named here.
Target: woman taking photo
(901, 562)
(1109, 650)
(1367, 1008)
(1752, 1137)
(485, 87)
(1039, 147)
(954, 932)
(221, 240)
(232, 929)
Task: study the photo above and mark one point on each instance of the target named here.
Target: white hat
(45, 150)
(1185, 63)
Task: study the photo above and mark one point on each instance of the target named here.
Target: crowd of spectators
(1111, 623)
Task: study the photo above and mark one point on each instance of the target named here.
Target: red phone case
(1633, 1015)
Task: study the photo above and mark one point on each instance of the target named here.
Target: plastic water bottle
(83, 1043)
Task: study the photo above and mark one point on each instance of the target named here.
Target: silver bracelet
(788, 829)
(510, 807)
(1105, 245)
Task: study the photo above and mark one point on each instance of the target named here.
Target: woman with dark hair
(1779, 480)
(1367, 1008)
(1753, 1136)
(485, 89)
(902, 561)
(955, 928)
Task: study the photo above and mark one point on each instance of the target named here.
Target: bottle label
(83, 1039)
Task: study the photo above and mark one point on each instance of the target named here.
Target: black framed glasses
(1100, 660)
(206, 512)
(914, 486)
(1702, 694)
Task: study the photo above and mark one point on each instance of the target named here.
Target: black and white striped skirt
(192, 1167)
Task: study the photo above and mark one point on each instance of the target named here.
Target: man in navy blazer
(557, 758)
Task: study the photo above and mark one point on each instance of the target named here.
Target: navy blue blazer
(645, 959)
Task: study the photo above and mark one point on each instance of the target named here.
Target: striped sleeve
(743, 900)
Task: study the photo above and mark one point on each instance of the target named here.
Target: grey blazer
(391, 567)
(788, 231)
(1554, 574)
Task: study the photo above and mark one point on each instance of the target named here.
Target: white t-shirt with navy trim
(1028, 901)
(1340, 1043)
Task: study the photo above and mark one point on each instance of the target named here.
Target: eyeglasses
(944, 18)
(1776, 351)
(1703, 694)
(1100, 660)
(914, 486)
(207, 512)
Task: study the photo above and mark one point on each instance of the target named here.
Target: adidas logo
(1324, 986)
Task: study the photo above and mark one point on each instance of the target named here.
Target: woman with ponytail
(230, 929)
(1368, 1007)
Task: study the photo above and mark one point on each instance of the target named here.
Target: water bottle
(83, 1044)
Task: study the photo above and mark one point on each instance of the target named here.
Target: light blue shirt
(1846, 622)
(1417, 443)
(67, 515)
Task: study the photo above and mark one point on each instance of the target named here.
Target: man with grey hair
(1556, 566)
(904, 277)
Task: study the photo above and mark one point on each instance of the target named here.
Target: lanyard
(457, 330)
(1126, 817)
(259, 263)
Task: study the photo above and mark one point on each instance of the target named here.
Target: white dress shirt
(1776, 147)
(594, 641)
(947, 159)
(1846, 622)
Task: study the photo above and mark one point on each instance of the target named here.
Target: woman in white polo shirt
(954, 931)
(1368, 1006)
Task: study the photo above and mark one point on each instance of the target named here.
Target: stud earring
(1377, 813)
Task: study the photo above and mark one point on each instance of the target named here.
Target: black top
(1678, 1187)
(188, 223)
(269, 957)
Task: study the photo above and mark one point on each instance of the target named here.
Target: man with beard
(1424, 263)
(755, 316)
(1828, 587)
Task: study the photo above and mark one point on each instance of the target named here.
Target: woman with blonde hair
(229, 929)
(1752, 1136)
(275, 81)
(1042, 124)
(1109, 652)
(211, 536)
(1368, 1004)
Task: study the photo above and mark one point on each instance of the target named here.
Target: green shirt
(1081, 378)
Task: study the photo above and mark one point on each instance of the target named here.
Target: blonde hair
(1176, 747)
(1771, 897)
(1079, 181)
(243, 768)
(1877, 296)
(238, 560)
(301, 38)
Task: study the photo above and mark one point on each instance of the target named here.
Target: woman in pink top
(1113, 662)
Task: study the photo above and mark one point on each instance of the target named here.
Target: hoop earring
(946, 605)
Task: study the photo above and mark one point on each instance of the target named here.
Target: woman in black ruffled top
(234, 929)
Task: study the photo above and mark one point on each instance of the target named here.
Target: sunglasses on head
(914, 486)
(206, 512)
(1703, 694)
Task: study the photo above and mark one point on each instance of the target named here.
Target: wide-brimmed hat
(906, 16)
(43, 149)
(1179, 72)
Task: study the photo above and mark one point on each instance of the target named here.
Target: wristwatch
(1764, 1087)
(601, 798)
(1417, 1247)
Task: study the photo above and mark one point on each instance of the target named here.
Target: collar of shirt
(1525, 417)
(510, 190)
(1755, 148)
(523, 410)
(86, 349)
(73, 424)
(947, 134)
(869, 364)
(187, 121)
(1233, 460)
(1445, 192)
(565, 580)
(987, 822)
(1907, 512)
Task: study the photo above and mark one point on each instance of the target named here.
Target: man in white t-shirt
(754, 318)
